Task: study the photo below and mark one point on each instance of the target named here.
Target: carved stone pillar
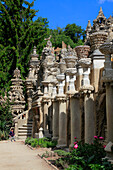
(55, 104)
(96, 40)
(62, 140)
(107, 49)
(82, 53)
(109, 110)
(41, 115)
(86, 88)
(61, 78)
(75, 118)
(89, 116)
(55, 119)
(46, 102)
(79, 77)
(72, 77)
(29, 86)
(46, 128)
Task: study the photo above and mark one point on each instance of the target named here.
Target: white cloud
(102, 1)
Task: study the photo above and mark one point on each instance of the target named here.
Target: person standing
(12, 135)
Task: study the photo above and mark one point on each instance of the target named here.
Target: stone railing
(23, 115)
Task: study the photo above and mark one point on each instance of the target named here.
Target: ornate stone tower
(31, 80)
(16, 94)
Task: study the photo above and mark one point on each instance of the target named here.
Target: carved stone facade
(70, 94)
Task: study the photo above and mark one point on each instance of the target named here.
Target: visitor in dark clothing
(12, 135)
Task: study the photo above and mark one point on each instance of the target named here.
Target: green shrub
(43, 142)
(62, 152)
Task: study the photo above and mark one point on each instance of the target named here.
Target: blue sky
(62, 12)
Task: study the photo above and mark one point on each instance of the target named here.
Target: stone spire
(88, 28)
(16, 94)
(100, 14)
(31, 80)
(100, 22)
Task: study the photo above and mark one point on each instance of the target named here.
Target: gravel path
(17, 156)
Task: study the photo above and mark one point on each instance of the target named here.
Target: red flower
(76, 146)
(101, 138)
(75, 137)
(104, 146)
(96, 137)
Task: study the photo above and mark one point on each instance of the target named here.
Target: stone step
(25, 128)
(24, 134)
(30, 122)
(27, 125)
(24, 131)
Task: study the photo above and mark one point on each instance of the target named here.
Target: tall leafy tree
(58, 36)
(18, 34)
(76, 33)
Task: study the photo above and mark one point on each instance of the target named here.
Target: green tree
(76, 33)
(5, 119)
(18, 34)
(58, 36)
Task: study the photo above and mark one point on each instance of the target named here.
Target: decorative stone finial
(17, 73)
(34, 50)
(82, 51)
(100, 13)
(49, 44)
(88, 28)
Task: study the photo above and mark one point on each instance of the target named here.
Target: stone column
(96, 40)
(61, 78)
(74, 107)
(79, 77)
(71, 72)
(62, 141)
(46, 100)
(107, 49)
(55, 125)
(109, 110)
(29, 86)
(46, 130)
(89, 117)
(86, 88)
(75, 118)
(61, 98)
(16, 128)
(41, 115)
(82, 52)
(55, 119)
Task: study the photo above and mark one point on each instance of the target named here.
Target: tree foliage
(58, 36)
(5, 119)
(76, 33)
(18, 34)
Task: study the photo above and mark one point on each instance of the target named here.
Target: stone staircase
(25, 130)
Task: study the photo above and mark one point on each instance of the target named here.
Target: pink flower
(75, 143)
(104, 146)
(75, 137)
(76, 146)
(101, 138)
(96, 137)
